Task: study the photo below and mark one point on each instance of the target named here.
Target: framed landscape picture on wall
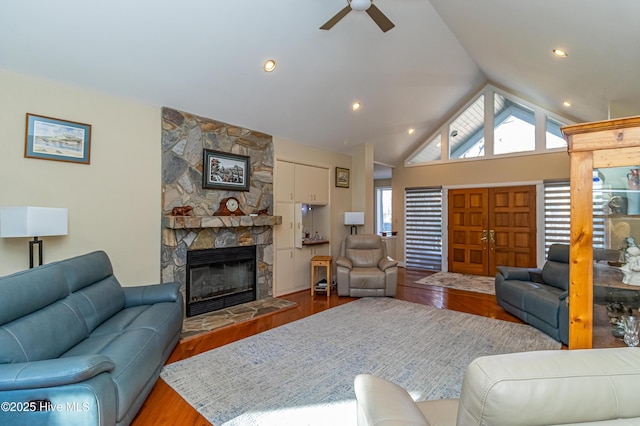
(222, 170)
(59, 140)
(342, 177)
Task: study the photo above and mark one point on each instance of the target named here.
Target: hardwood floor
(165, 407)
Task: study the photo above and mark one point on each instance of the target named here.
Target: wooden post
(581, 252)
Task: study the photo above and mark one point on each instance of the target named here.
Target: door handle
(492, 237)
(484, 236)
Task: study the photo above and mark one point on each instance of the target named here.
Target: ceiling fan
(367, 5)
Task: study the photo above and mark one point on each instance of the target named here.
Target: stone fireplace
(184, 137)
(220, 277)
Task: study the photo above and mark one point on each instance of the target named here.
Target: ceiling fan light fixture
(269, 65)
(360, 4)
(372, 10)
(559, 52)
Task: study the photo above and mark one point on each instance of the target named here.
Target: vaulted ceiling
(206, 57)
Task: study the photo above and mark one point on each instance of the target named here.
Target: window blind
(557, 212)
(423, 228)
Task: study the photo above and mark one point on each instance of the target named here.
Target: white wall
(114, 203)
(362, 198)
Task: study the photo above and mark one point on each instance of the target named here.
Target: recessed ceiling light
(560, 52)
(269, 65)
(356, 106)
(411, 130)
(566, 103)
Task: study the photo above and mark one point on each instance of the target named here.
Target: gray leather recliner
(364, 269)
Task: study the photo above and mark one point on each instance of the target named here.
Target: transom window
(512, 122)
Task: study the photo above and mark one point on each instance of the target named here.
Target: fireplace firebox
(219, 278)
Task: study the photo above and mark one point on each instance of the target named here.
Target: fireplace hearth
(219, 278)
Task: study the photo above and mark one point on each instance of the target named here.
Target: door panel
(512, 218)
(490, 227)
(467, 221)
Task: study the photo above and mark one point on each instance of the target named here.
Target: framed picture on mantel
(222, 170)
(342, 177)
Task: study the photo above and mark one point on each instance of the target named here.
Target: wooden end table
(321, 261)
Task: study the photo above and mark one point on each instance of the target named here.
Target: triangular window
(513, 133)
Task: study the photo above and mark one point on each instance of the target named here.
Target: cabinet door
(302, 186)
(284, 273)
(302, 273)
(311, 185)
(284, 181)
(284, 234)
(319, 180)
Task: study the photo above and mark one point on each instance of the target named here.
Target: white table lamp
(33, 222)
(354, 219)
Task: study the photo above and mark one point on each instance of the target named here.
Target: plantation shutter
(423, 228)
(557, 204)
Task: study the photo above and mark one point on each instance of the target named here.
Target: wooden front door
(490, 227)
(468, 226)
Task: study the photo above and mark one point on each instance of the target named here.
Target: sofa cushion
(96, 292)
(99, 302)
(83, 271)
(23, 293)
(556, 274)
(137, 354)
(513, 291)
(372, 278)
(551, 387)
(44, 334)
(555, 271)
(384, 403)
(364, 250)
(543, 302)
(364, 258)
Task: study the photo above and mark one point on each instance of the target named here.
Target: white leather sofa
(591, 386)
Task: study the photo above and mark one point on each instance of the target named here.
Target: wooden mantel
(201, 222)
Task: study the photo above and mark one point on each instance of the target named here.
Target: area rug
(302, 373)
(475, 283)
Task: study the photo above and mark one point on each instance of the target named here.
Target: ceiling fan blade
(338, 16)
(379, 18)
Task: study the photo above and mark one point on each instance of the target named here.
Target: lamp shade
(354, 218)
(33, 221)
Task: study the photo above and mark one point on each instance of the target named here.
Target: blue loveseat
(76, 348)
(538, 296)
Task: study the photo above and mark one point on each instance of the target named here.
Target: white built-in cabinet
(295, 185)
(285, 185)
(311, 185)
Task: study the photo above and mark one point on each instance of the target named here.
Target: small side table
(321, 261)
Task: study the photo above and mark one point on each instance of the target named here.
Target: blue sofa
(538, 296)
(76, 348)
